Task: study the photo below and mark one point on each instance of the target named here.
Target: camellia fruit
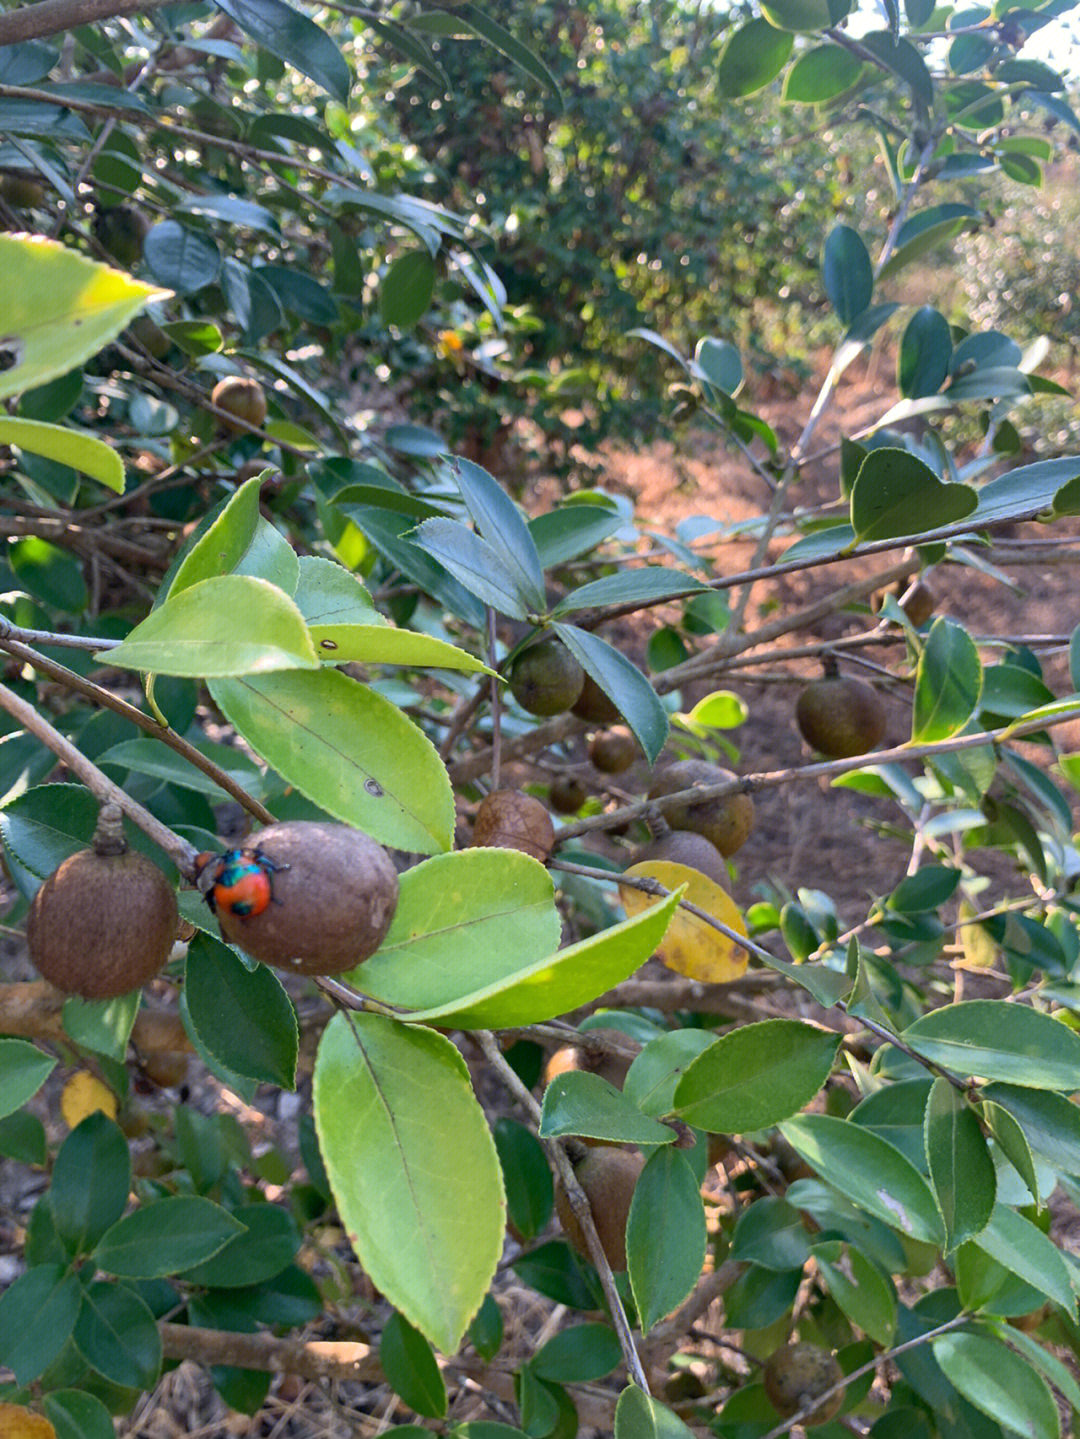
(567, 794)
(593, 704)
(510, 819)
(546, 679)
(613, 750)
(725, 821)
(608, 1177)
(796, 1375)
(240, 396)
(840, 717)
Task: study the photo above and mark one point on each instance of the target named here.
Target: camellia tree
(234, 602)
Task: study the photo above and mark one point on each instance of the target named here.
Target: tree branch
(49, 17)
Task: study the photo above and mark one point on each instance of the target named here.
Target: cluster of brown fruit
(702, 833)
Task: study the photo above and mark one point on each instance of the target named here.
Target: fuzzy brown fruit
(104, 922)
(570, 1057)
(592, 704)
(22, 191)
(240, 396)
(567, 794)
(509, 819)
(121, 230)
(546, 679)
(613, 750)
(840, 717)
(682, 846)
(725, 822)
(608, 1177)
(919, 603)
(334, 895)
(796, 1375)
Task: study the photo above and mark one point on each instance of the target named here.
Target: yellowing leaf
(979, 950)
(84, 1094)
(19, 1423)
(691, 946)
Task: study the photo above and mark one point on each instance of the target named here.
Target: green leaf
(581, 1354)
(1050, 1122)
(770, 1234)
(463, 921)
(999, 1383)
(223, 547)
(624, 684)
(526, 1177)
(265, 1246)
(328, 595)
(925, 353)
(348, 750)
(859, 1288)
(653, 1077)
(848, 275)
(37, 1316)
(948, 682)
(82, 452)
(665, 1236)
(500, 523)
(896, 494)
(48, 573)
(869, 1171)
(928, 888)
(487, 1329)
(473, 563)
(1049, 1364)
(58, 309)
(571, 530)
(387, 533)
(1010, 1042)
(23, 1070)
(961, 1169)
(638, 1416)
(640, 586)
(429, 1235)
(805, 16)
(821, 74)
(103, 1025)
(116, 1334)
(581, 1103)
(185, 260)
(483, 25)
(754, 54)
(406, 289)
(902, 58)
(74, 1414)
(1012, 1142)
(90, 1183)
(197, 633)
(292, 37)
(544, 988)
(243, 1016)
(165, 1237)
(381, 644)
(22, 1138)
(411, 1369)
(1024, 1250)
(753, 1077)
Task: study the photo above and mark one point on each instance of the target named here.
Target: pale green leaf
(82, 452)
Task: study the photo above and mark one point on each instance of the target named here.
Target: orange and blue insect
(238, 881)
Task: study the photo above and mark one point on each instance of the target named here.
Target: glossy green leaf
(991, 1040)
(75, 1414)
(555, 1270)
(243, 1016)
(48, 573)
(463, 921)
(1049, 1365)
(526, 1177)
(499, 521)
(429, 1235)
(411, 1368)
(848, 276)
(665, 1236)
(925, 352)
(381, 644)
(805, 16)
(569, 531)
(961, 1170)
(165, 1237)
(755, 53)
(348, 750)
(473, 563)
(265, 1246)
(904, 60)
(116, 1335)
(1024, 1250)
(639, 1416)
(487, 1329)
(577, 1102)
(23, 1070)
(820, 74)
(897, 494)
(1012, 1142)
(294, 38)
(390, 534)
(561, 982)
(754, 1076)
(928, 888)
(37, 1316)
(184, 259)
(869, 1171)
(479, 21)
(948, 682)
(624, 684)
(406, 289)
(925, 231)
(328, 595)
(581, 1354)
(770, 1234)
(90, 1183)
(653, 1077)
(103, 1025)
(860, 1290)
(999, 1383)
(197, 634)
(224, 545)
(1050, 1122)
(82, 452)
(641, 586)
(22, 1138)
(59, 309)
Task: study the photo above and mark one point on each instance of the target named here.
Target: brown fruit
(334, 895)
(682, 846)
(612, 1067)
(121, 231)
(613, 750)
(796, 1375)
(593, 704)
(840, 717)
(725, 822)
(567, 794)
(105, 921)
(546, 679)
(919, 603)
(240, 396)
(508, 819)
(608, 1177)
(22, 191)
(150, 336)
(165, 1067)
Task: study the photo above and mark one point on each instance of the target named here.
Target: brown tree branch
(49, 17)
(33, 1009)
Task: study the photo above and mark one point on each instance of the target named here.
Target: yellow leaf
(979, 950)
(19, 1423)
(691, 946)
(83, 1094)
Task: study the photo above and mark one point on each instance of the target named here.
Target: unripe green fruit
(840, 717)
(121, 231)
(613, 750)
(725, 822)
(509, 819)
(794, 1377)
(608, 1177)
(104, 922)
(334, 894)
(240, 396)
(593, 704)
(567, 794)
(546, 679)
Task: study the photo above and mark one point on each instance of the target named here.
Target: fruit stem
(109, 831)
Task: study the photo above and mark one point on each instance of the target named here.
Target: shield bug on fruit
(237, 882)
